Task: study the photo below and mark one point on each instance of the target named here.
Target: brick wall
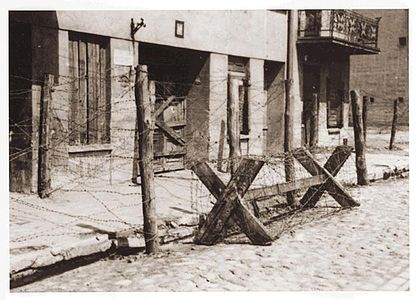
(384, 76)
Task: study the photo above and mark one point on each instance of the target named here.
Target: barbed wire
(121, 158)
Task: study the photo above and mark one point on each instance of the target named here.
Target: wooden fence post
(232, 124)
(365, 112)
(135, 159)
(394, 124)
(313, 141)
(44, 167)
(144, 110)
(292, 25)
(289, 164)
(221, 146)
(361, 166)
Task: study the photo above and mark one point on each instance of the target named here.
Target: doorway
(311, 88)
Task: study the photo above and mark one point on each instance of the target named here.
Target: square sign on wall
(179, 29)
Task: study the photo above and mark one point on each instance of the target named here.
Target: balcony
(343, 29)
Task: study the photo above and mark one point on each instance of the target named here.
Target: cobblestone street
(366, 248)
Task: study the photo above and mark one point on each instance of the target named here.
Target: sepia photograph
(199, 150)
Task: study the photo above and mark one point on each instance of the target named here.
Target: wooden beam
(82, 114)
(163, 106)
(251, 226)
(334, 188)
(230, 200)
(333, 165)
(283, 188)
(169, 131)
(212, 182)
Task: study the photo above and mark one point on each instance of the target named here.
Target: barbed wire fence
(103, 182)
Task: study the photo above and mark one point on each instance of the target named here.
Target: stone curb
(46, 257)
(29, 263)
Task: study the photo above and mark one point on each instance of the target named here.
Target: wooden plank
(251, 226)
(212, 182)
(212, 230)
(169, 154)
(144, 109)
(282, 188)
(102, 105)
(74, 136)
(92, 90)
(334, 188)
(82, 98)
(215, 186)
(96, 102)
(337, 159)
(333, 165)
(163, 106)
(169, 131)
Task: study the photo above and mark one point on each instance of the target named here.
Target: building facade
(385, 76)
(326, 41)
(190, 55)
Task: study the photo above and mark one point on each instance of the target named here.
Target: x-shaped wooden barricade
(229, 198)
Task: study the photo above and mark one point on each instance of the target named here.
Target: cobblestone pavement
(366, 248)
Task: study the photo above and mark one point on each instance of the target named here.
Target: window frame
(90, 105)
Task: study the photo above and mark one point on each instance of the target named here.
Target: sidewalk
(78, 221)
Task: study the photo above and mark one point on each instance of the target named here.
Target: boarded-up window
(90, 93)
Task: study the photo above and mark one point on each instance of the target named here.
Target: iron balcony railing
(343, 25)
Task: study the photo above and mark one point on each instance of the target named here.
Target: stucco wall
(250, 33)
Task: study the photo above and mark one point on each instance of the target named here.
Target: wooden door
(169, 144)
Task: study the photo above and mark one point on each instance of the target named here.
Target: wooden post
(145, 110)
(135, 160)
(394, 124)
(221, 146)
(361, 166)
(292, 19)
(232, 124)
(44, 167)
(365, 112)
(313, 141)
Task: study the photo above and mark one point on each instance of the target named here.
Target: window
(90, 92)
(402, 41)
(237, 70)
